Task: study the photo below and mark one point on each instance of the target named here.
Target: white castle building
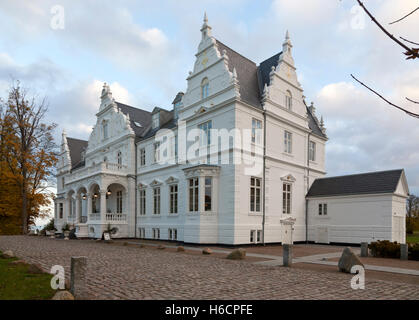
(238, 159)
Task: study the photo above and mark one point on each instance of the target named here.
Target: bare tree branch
(405, 16)
(409, 41)
(412, 100)
(411, 53)
(415, 115)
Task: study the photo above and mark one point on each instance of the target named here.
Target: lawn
(17, 284)
(413, 238)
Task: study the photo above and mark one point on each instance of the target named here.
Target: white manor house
(238, 159)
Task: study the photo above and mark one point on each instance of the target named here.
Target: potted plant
(66, 230)
(109, 231)
(49, 229)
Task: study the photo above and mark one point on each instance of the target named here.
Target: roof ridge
(360, 174)
(127, 105)
(77, 139)
(276, 54)
(235, 51)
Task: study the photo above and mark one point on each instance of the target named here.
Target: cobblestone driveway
(118, 272)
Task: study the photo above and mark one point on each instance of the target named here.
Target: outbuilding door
(322, 234)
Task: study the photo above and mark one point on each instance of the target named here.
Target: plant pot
(66, 235)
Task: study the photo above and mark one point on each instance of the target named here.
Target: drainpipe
(136, 196)
(308, 182)
(264, 176)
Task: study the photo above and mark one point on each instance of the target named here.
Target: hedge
(387, 249)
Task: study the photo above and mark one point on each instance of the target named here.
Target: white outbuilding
(358, 208)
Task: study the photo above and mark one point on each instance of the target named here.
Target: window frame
(142, 157)
(193, 195)
(119, 202)
(143, 202)
(205, 139)
(256, 194)
(288, 100)
(156, 201)
(287, 142)
(286, 198)
(312, 151)
(204, 88)
(210, 187)
(256, 135)
(173, 199)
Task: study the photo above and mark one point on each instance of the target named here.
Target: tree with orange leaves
(27, 159)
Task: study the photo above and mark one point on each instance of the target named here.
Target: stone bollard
(364, 249)
(78, 277)
(287, 255)
(404, 251)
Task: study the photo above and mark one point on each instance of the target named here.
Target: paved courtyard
(131, 272)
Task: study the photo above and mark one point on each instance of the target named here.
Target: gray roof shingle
(76, 147)
(365, 183)
(137, 116)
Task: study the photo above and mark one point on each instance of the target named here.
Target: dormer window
(288, 100)
(155, 120)
(105, 129)
(204, 88)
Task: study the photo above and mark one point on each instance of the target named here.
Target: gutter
(308, 183)
(136, 190)
(264, 176)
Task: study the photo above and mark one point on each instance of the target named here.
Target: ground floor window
(61, 210)
(142, 202)
(255, 194)
(208, 194)
(286, 198)
(173, 198)
(172, 234)
(323, 209)
(119, 202)
(193, 194)
(156, 233)
(141, 233)
(156, 209)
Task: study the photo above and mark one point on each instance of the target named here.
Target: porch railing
(116, 217)
(102, 167)
(94, 216)
(83, 219)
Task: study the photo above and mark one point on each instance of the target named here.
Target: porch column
(67, 210)
(103, 205)
(78, 205)
(89, 204)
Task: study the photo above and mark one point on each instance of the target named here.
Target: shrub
(385, 249)
(50, 226)
(414, 251)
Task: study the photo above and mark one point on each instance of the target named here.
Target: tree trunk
(24, 206)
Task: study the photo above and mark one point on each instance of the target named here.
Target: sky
(66, 50)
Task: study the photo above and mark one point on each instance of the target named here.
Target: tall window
(61, 210)
(119, 202)
(193, 194)
(142, 157)
(119, 158)
(105, 129)
(172, 234)
(155, 120)
(173, 198)
(205, 133)
(156, 152)
(208, 194)
(94, 206)
(173, 147)
(286, 198)
(204, 88)
(288, 142)
(156, 209)
(142, 202)
(312, 151)
(256, 131)
(288, 100)
(255, 192)
(323, 209)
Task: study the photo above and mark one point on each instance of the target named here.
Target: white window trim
(254, 212)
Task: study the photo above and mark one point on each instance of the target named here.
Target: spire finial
(206, 29)
(205, 17)
(287, 35)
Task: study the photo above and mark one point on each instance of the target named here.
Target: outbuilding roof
(356, 184)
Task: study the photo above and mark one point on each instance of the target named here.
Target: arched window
(119, 158)
(288, 100)
(204, 88)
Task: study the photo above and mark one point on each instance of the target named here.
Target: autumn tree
(28, 156)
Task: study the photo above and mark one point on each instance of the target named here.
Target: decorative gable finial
(235, 81)
(287, 45)
(312, 108)
(322, 127)
(265, 94)
(206, 29)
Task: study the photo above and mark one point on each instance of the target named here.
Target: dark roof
(178, 97)
(313, 124)
(136, 115)
(247, 75)
(76, 147)
(264, 70)
(365, 183)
